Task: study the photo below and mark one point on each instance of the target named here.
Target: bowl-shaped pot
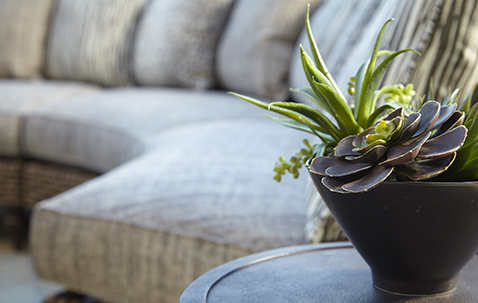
(415, 236)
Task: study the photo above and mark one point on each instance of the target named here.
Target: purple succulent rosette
(419, 147)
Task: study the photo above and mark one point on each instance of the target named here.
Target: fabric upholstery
(203, 196)
(448, 53)
(108, 249)
(19, 98)
(102, 131)
(23, 30)
(100, 51)
(257, 45)
(176, 42)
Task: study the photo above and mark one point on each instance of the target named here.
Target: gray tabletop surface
(328, 272)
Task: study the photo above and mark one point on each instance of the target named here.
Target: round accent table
(328, 272)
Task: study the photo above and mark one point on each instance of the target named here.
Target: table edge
(200, 289)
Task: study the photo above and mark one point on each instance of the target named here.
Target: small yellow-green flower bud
(351, 89)
(405, 95)
(277, 177)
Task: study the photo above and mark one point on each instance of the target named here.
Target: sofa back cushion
(23, 29)
(256, 48)
(90, 40)
(176, 42)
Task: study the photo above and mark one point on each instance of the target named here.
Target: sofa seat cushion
(20, 98)
(99, 132)
(202, 196)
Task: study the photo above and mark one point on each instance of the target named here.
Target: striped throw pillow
(91, 40)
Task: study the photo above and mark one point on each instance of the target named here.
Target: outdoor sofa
(141, 171)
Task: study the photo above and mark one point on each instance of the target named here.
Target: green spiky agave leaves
(333, 119)
(419, 147)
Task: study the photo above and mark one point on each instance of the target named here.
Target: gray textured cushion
(19, 98)
(102, 131)
(23, 29)
(176, 42)
(431, 27)
(203, 196)
(256, 48)
(91, 40)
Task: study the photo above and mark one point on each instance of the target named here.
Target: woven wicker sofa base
(26, 182)
(10, 178)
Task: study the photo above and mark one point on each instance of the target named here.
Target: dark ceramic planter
(415, 236)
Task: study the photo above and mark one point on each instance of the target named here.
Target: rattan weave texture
(26, 182)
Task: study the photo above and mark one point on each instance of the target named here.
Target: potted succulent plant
(399, 177)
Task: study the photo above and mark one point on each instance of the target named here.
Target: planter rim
(421, 183)
(429, 183)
